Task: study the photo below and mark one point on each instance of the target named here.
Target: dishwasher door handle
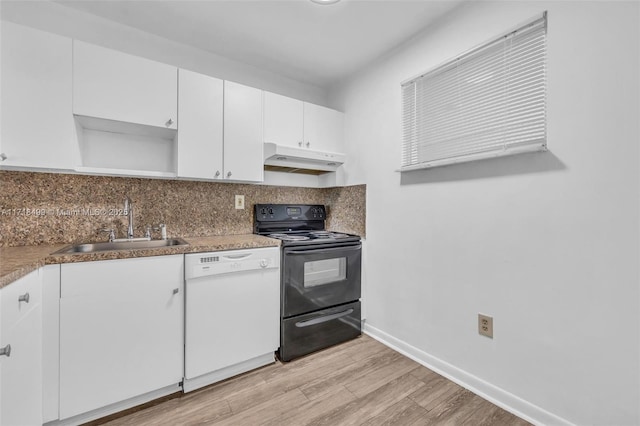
(237, 256)
(320, 320)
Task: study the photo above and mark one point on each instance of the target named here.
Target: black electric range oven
(320, 278)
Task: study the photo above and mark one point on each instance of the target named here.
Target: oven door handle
(320, 320)
(316, 250)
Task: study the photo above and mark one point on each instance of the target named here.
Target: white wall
(548, 244)
(55, 18)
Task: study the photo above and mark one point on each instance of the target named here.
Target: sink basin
(121, 245)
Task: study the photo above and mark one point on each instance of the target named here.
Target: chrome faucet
(128, 207)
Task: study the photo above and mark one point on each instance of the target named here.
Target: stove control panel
(289, 212)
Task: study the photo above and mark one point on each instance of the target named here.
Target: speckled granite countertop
(16, 262)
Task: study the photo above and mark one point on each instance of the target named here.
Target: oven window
(320, 272)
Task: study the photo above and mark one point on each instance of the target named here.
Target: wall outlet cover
(239, 202)
(485, 325)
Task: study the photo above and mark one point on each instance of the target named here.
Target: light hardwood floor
(361, 382)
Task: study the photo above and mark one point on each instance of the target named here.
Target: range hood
(293, 159)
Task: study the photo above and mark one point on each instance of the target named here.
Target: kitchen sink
(121, 245)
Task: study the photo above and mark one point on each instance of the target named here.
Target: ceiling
(311, 43)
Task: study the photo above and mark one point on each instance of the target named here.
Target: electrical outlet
(239, 202)
(485, 325)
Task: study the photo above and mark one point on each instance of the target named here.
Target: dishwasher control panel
(224, 262)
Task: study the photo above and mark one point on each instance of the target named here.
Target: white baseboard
(190, 385)
(486, 390)
(115, 408)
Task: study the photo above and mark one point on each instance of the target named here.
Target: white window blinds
(488, 102)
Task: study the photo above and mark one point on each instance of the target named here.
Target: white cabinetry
(50, 342)
(126, 108)
(300, 124)
(323, 128)
(37, 125)
(116, 86)
(200, 138)
(232, 313)
(121, 331)
(243, 148)
(283, 120)
(21, 368)
(220, 135)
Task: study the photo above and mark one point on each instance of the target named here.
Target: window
(488, 102)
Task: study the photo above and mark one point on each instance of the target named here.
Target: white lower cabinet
(21, 345)
(121, 332)
(90, 339)
(232, 313)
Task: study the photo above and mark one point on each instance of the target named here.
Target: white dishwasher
(232, 313)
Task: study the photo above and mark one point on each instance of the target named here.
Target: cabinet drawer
(20, 298)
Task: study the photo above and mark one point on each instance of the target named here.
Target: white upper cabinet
(283, 120)
(200, 138)
(116, 86)
(243, 147)
(220, 134)
(295, 123)
(37, 124)
(323, 128)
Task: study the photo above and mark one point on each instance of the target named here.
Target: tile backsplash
(47, 208)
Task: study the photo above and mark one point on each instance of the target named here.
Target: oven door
(319, 277)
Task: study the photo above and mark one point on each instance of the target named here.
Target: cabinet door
(323, 128)
(121, 330)
(37, 124)
(21, 372)
(116, 86)
(200, 103)
(243, 146)
(282, 120)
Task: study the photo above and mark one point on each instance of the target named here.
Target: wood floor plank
(307, 366)
(366, 347)
(499, 417)
(381, 376)
(370, 405)
(182, 410)
(425, 374)
(434, 393)
(337, 397)
(490, 415)
(471, 408)
(361, 382)
(349, 373)
(447, 411)
(266, 411)
(405, 412)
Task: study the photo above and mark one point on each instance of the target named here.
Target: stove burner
(328, 234)
(289, 237)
